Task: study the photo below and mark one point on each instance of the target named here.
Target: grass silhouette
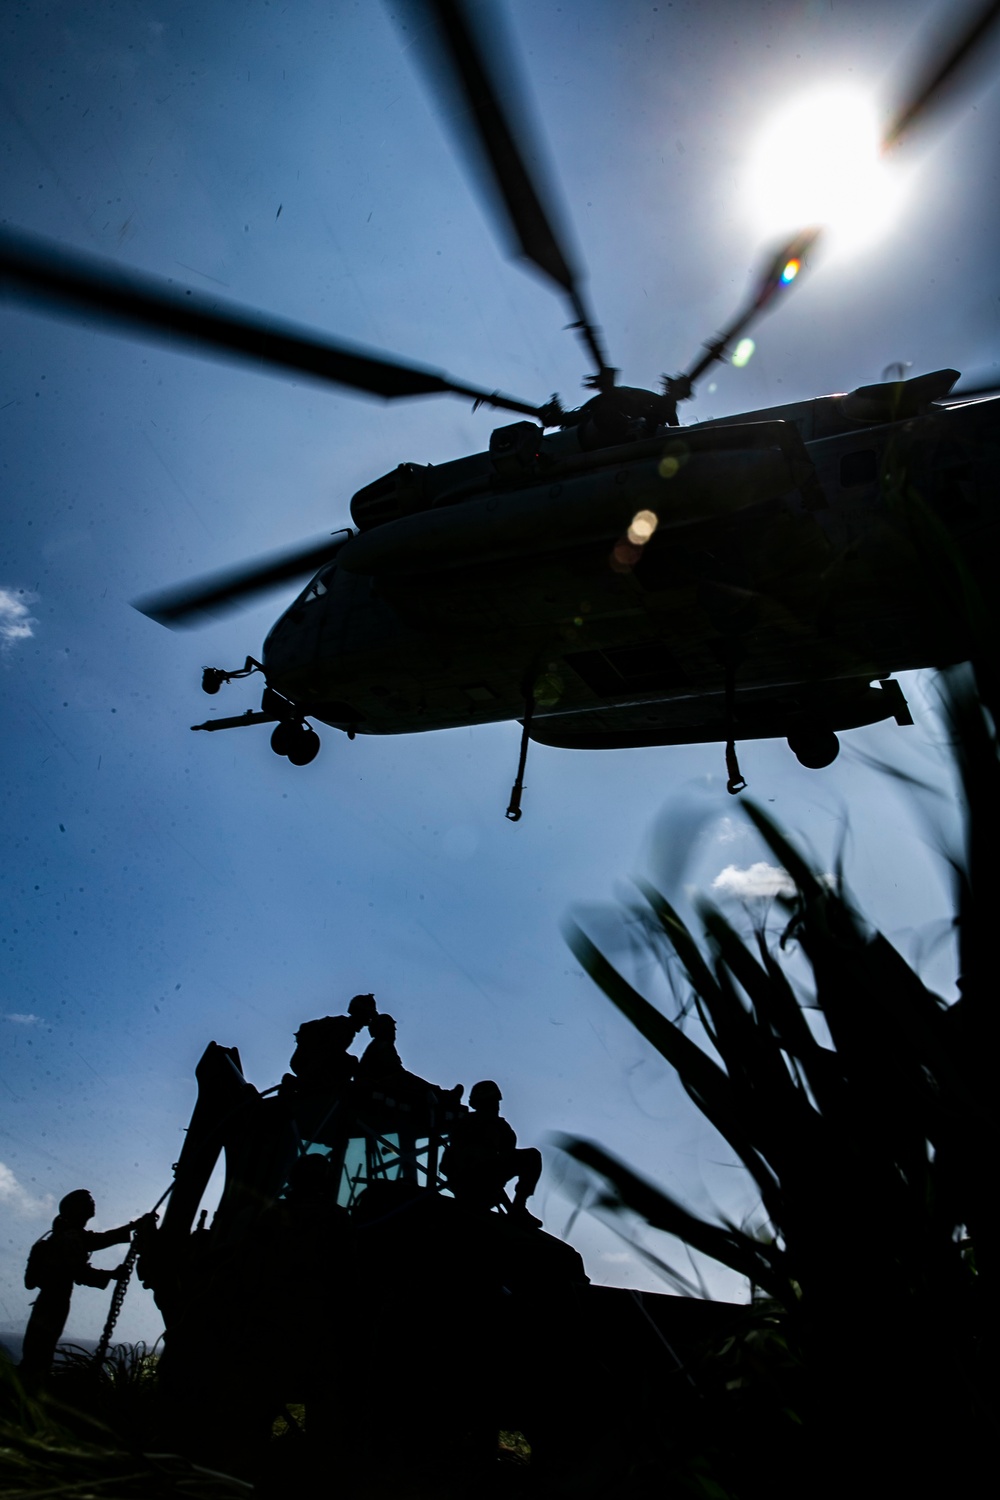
(867, 1137)
(83, 1438)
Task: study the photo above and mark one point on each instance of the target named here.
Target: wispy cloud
(15, 617)
(23, 1018)
(19, 1200)
(759, 881)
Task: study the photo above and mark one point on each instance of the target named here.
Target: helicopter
(605, 575)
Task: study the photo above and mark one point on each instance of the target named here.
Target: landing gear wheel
(304, 748)
(814, 748)
(284, 736)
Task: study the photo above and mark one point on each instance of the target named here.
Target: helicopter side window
(318, 587)
(858, 468)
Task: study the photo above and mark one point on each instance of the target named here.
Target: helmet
(77, 1205)
(480, 1093)
(362, 1009)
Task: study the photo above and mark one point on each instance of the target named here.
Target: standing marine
(59, 1261)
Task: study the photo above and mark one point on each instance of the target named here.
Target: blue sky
(164, 889)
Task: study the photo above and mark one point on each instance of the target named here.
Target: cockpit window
(319, 586)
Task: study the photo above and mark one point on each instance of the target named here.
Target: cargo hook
(735, 780)
(514, 810)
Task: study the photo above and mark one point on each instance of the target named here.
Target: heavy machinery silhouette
(337, 1266)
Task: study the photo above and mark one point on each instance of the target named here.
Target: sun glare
(817, 162)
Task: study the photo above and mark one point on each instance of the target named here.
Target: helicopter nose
(289, 652)
(275, 644)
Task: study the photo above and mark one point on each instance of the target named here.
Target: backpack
(321, 1054)
(42, 1258)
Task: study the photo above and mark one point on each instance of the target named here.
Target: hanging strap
(514, 810)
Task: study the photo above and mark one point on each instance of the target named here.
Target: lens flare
(791, 271)
(644, 523)
(743, 353)
(624, 557)
(548, 690)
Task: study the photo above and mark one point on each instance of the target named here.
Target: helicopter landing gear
(814, 747)
(297, 740)
(283, 737)
(291, 735)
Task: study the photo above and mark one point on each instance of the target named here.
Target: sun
(817, 162)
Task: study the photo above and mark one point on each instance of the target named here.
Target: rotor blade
(232, 587)
(931, 86)
(461, 53)
(781, 269)
(69, 283)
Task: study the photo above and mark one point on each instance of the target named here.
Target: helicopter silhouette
(607, 576)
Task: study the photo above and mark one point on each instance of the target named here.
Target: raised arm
(98, 1239)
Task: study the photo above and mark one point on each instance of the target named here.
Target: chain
(117, 1298)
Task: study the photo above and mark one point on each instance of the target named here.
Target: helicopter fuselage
(782, 559)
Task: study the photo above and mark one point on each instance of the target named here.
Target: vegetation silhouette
(89, 1435)
(865, 1114)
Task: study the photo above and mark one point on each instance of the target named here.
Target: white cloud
(759, 881)
(727, 830)
(18, 1200)
(15, 618)
(23, 1018)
